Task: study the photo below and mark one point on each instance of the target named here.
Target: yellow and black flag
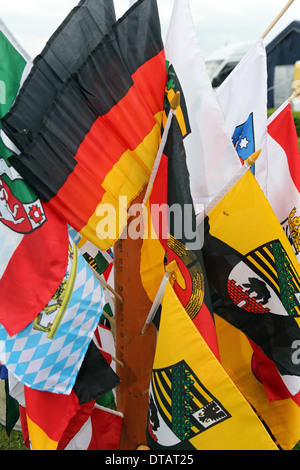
(255, 278)
(193, 404)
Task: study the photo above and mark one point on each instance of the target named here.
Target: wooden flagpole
(280, 14)
(136, 352)
(106, 285)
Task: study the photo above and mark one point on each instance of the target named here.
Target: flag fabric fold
(184, 241)
(34, 240)
(103, 129)
(281, 417)
(101, 431)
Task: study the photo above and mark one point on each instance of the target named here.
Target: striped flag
(283, 184)
(103, 130)
(86, 24)
(101, 431)
(34, 240)
(253, 269)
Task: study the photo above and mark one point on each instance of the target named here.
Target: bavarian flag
(102, 131)
(255, 277)
(193, 404)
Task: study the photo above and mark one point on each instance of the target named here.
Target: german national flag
(100, 138)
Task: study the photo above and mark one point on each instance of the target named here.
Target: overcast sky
(217, 22)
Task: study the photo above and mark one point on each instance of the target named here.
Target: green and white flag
(14, 62)
(33, 240)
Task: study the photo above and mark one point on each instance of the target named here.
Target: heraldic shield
(180, 407)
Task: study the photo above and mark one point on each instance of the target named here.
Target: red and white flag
(101, 431)
(283, 182)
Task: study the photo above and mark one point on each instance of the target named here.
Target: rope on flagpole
(174, 105)
(160, 293)
(280, 14)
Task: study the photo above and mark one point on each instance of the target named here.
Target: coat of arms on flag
(20, 209)
(243, 140)
(268, 281)
(173, 419)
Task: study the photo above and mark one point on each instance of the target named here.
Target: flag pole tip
(145, 328)
(252, 159)
(295, 94)
(175, 101)
(170, 268)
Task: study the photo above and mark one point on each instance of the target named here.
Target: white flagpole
(174, 105)
(160, 293)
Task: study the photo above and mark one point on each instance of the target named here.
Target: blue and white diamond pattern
(52, 364)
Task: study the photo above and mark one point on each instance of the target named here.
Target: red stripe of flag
(102, 148)
(282, 130)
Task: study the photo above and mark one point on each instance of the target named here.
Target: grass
(13, 442)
